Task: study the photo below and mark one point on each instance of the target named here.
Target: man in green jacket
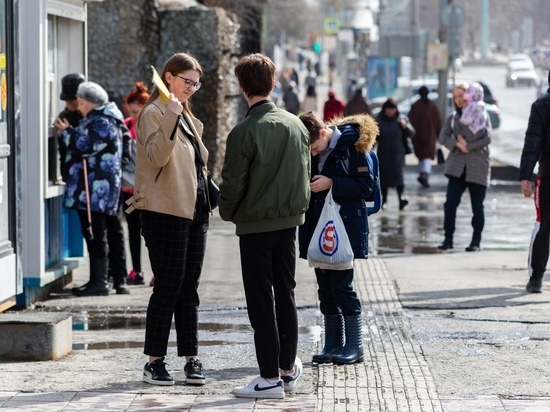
(265, 192)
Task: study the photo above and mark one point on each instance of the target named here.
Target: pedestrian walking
(424, 117)
(170, 194)
(394, 128)
(265, 192)
(291, 99)
(333, 107)
(536, 148)
(468, 166)
(357, 104)
(97, 141)
(309, 103)
(134, 103)
(347, 141)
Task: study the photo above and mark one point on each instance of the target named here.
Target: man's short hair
(313, 125)
(255, 74)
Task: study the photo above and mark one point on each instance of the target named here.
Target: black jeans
(98, 246)
(107, 242)
(540, 238)
(268, 262)
(176, 250)
(336, 293)
(455, 189)
(117, 250)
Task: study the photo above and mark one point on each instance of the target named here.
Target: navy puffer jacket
(350, 188)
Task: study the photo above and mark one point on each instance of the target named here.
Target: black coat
(391, 151)
(348, 190)
(536, 147)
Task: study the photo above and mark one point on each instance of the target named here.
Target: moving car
(521, 72)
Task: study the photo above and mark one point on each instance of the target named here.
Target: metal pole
(443, 75)
(484, 28)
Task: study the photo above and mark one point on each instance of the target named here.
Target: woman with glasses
(171, 195)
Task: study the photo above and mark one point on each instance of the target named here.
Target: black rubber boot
(98, 284)
(353, 350)
(81, 288)
(334, 339)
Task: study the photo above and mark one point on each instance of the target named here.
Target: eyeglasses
(190, 84)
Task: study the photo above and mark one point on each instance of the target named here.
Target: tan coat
(166, 179)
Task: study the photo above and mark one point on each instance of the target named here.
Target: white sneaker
(260, 388)
(290, 380)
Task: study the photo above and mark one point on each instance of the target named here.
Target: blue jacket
(348, 189)
(98, 139)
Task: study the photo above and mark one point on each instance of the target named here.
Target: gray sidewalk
(442, 332)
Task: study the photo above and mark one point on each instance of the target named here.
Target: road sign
(332, 25)
(453, 16)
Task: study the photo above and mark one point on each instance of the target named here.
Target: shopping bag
(330, 247)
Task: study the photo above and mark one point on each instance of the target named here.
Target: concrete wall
(126, 37)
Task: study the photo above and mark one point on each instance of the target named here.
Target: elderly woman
(94, 150)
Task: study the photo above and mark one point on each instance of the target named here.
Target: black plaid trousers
(176, 249)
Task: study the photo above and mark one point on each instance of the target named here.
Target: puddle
(126, 345)
(310, 333)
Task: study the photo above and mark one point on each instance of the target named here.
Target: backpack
(374, 201)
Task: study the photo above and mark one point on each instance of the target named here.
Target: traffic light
(317, 47)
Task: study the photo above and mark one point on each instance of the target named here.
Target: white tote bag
(330, 247)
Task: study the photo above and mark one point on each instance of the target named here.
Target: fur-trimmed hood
(368, 130)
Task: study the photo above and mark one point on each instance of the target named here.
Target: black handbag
(408, 144)
(213, 193)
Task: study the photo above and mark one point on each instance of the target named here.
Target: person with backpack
(341, 162)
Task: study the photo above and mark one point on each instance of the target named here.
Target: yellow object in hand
(163, 90)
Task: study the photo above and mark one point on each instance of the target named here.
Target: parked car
(492, 105)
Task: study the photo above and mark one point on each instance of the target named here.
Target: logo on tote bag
(328, 239)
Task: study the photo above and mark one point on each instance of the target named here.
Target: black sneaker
(534, 285)
(193, 372)
(155, 373)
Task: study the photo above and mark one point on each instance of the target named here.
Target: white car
(521, 73)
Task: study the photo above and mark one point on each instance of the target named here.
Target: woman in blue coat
(339, 161)
(96, 143)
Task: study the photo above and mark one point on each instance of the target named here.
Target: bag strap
(453, 124)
